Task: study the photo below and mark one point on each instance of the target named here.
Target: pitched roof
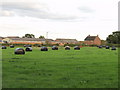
(49, 39)
(90, 38)
(28, 39)
(66, 40)
(31, 39)
(13, 37)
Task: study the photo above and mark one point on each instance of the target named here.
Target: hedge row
(71, 45)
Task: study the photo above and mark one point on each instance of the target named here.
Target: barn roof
(28, 39)
(90, 38)
(13, 37)
(66, 40)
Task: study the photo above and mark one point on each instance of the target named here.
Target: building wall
(97, 41)
(42, 42)
(22, 42)
(26, 43)
(89, 42)
(7, 40)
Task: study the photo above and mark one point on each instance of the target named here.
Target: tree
(103, 42)
(42, 37)
(29, 36)
(114, 38)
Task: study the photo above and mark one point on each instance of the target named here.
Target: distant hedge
(116, 45)
(71, 45)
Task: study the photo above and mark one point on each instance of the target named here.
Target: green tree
(29, 36)
(42, 37)
(103, 42)
(114, 38)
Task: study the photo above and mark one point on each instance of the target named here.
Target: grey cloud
(86, 10)
(32, 10)
(6, 13)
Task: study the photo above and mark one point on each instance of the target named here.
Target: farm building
(92, 40)
(25, 40)
(1, 38)
(17, 40)
(66, 41)
(12, 37)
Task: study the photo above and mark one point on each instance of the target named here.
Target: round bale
(107, 47)
(19, 51)
(39, 45)
(24, 45)
(28, 45)
(103, 45)
(67, 48)
(76, 48)
(44, 48)
(11, 46)
(54, 48)
(28, 49)
(113, 48)
(4, 47)
(100, 47)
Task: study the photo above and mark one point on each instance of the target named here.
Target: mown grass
(89, 67)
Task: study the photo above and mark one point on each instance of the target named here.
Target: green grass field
(89, 67)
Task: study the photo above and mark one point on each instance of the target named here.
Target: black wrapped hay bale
(113, 48)
(97, 46)
(54, 48)
(28, 45)
(44, 48)
(39, 45)
(28, 49)
(107, 47)
(67, 48)
(103, 45)
(76, 48)
(19, 51)
(12, 46)
(100, 46)
(24, 45)
(4, 47)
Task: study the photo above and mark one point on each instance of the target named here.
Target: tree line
(114, 38)
(32, 36)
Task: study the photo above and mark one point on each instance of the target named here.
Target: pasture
(89, 67)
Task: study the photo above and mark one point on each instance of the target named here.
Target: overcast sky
(73, 19)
